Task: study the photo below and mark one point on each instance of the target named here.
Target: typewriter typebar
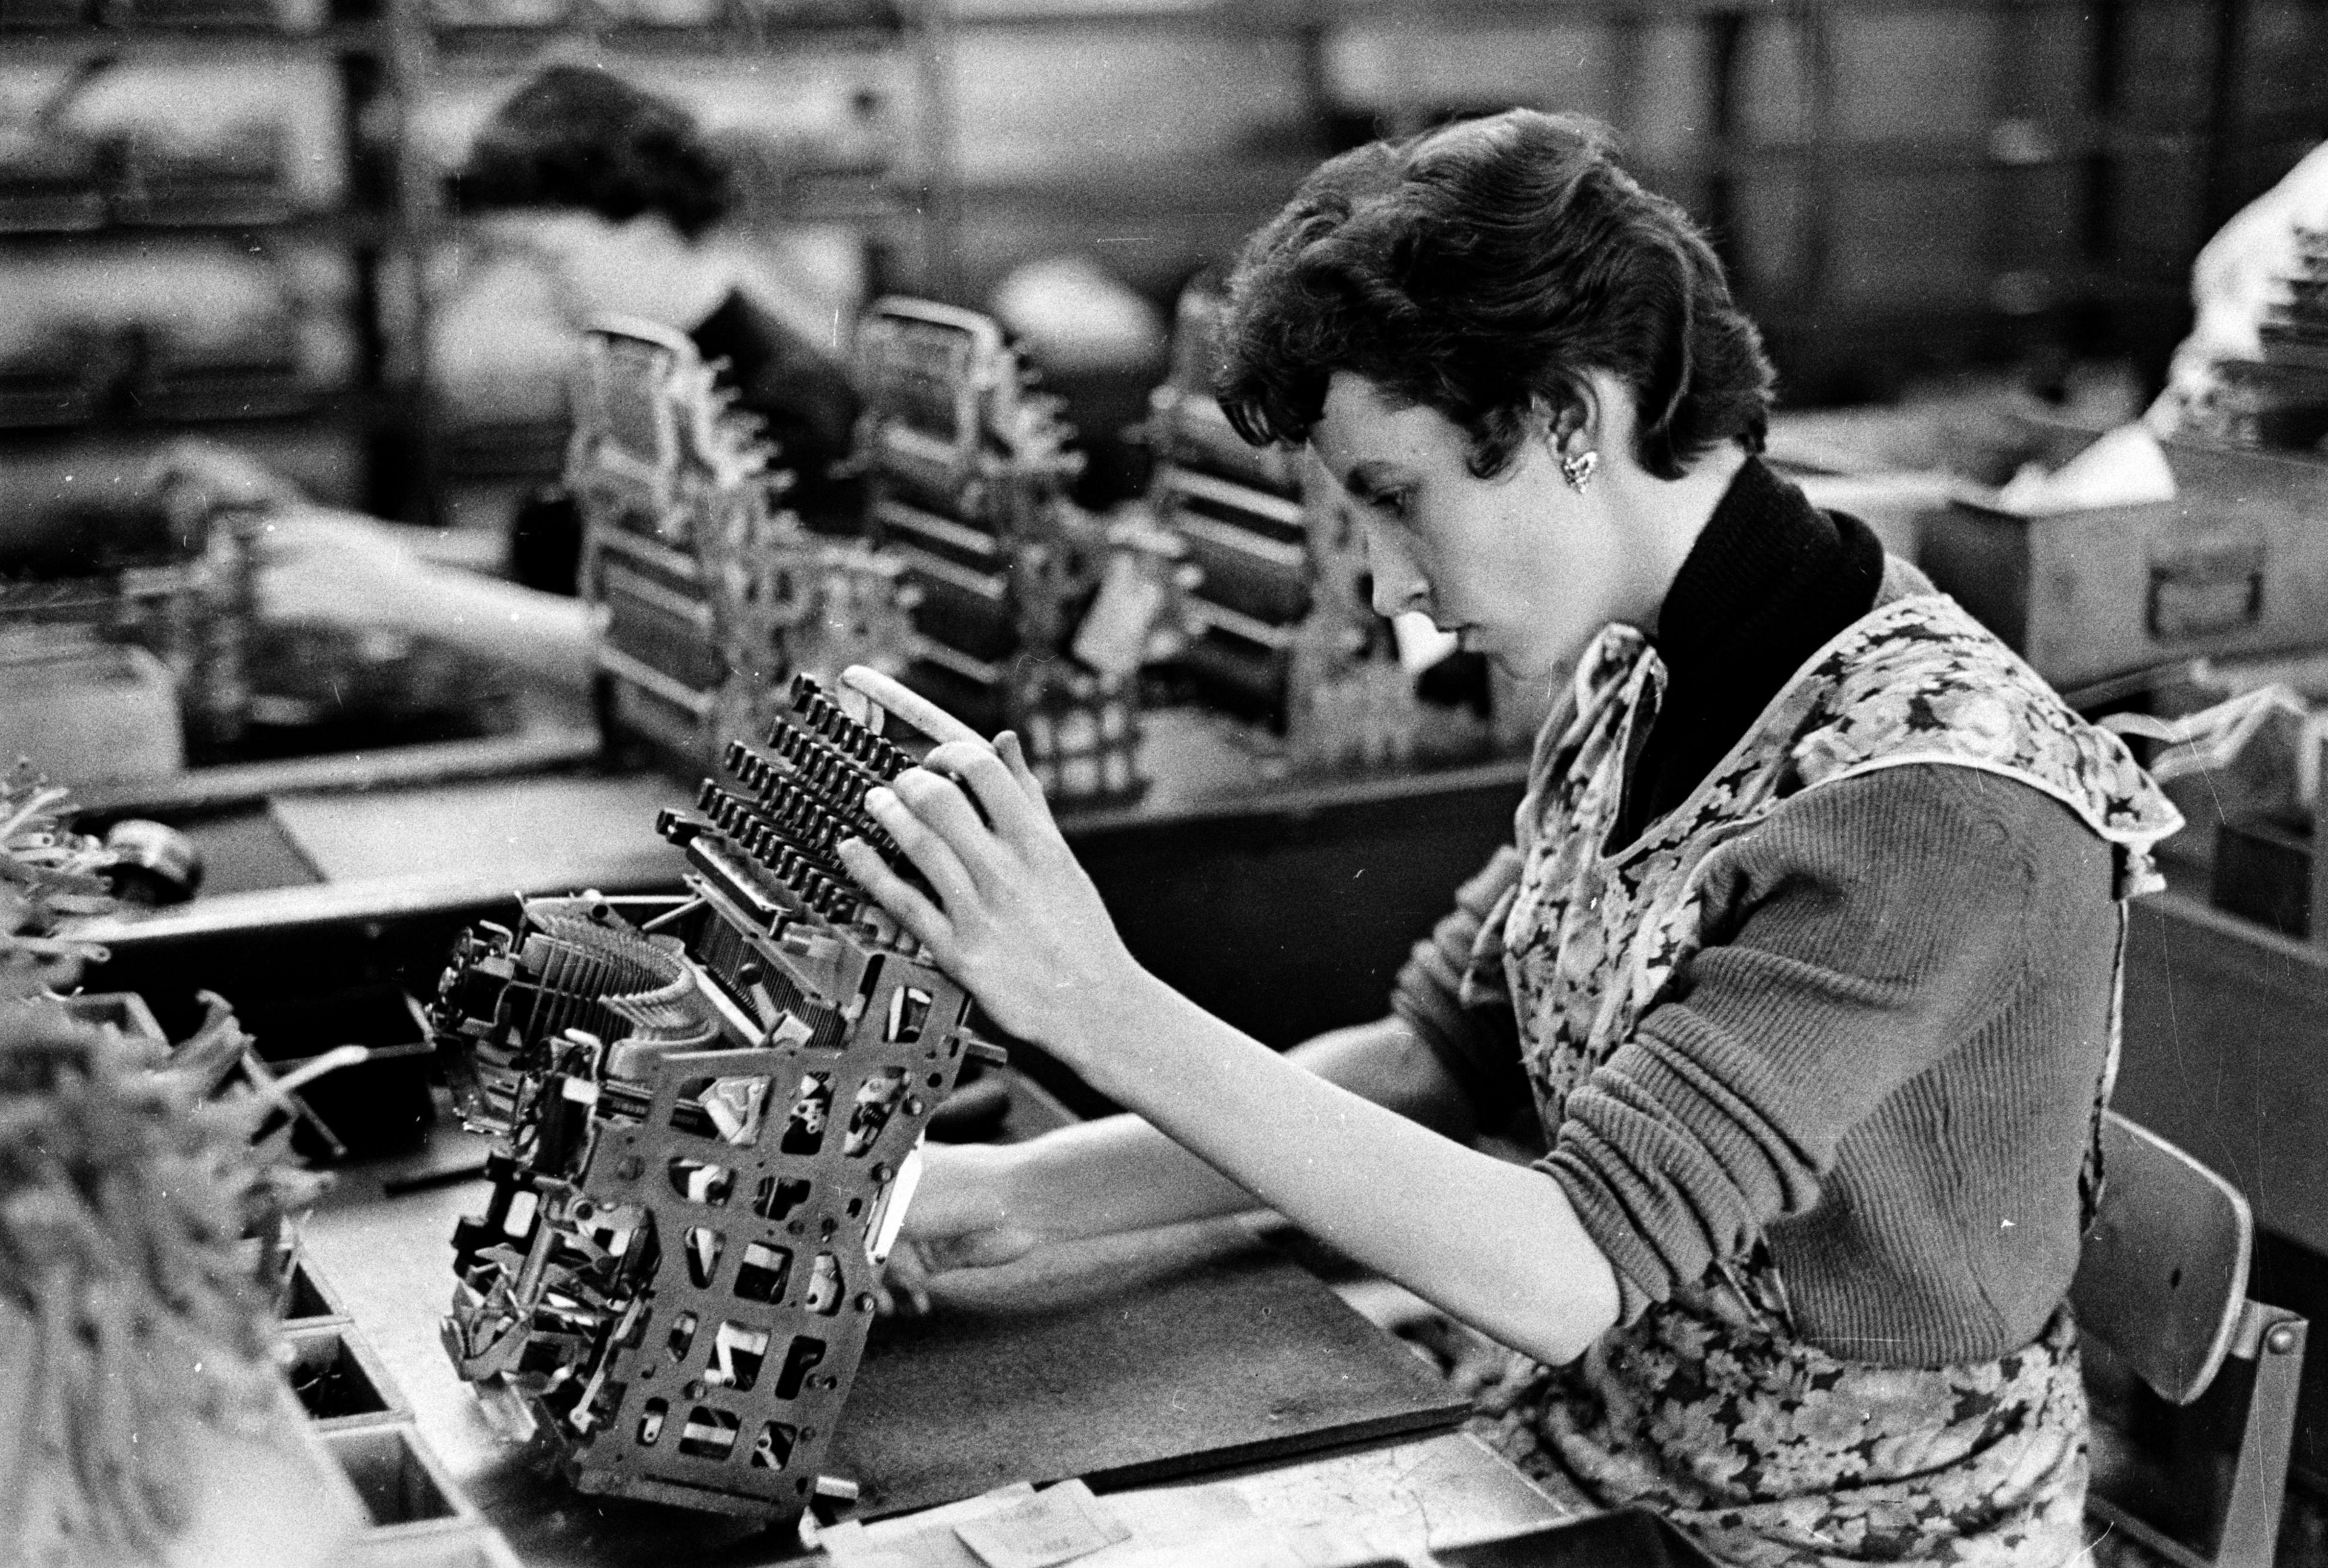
(710, 592)
(707, 1128)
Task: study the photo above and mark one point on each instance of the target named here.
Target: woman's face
(1522, 567)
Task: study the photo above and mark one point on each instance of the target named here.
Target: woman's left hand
(1015, 918)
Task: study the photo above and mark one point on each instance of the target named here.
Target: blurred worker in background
(612, 190)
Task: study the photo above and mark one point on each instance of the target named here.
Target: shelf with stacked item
(2277, 398)
(204, 225)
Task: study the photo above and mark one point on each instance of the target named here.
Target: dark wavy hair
(576, 136)
(1480, 270)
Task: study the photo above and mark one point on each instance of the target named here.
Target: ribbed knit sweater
(1883, 1058)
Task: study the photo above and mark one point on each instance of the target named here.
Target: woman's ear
(1572, 425)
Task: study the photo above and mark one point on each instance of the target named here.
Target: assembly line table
(387, 1258)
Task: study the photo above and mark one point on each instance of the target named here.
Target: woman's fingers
(938, 828)
(1015, 815)
(941, 807)
(909, 903)
(906, 1282)
(1013, 753)
(908, 704)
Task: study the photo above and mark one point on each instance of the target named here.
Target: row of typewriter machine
(977, 580)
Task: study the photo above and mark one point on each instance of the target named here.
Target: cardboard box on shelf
(2236, 563)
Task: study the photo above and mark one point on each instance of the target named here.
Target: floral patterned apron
(1709, 1407)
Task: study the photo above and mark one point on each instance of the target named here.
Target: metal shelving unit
(2078, 155)
(894, 203)
(389, 221)
(125, 209)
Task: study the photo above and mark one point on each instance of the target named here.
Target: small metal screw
(913, 1105)
(865, 1302)
(2280, 1340)
(825, 1227)
(793, 1227)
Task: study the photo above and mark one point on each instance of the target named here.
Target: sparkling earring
(1579, 470)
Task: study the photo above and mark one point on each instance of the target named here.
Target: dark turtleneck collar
(1770, 580)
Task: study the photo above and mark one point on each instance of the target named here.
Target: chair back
(2163, 1277)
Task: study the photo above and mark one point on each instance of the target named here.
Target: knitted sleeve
(1451, 993)
(1855, 937)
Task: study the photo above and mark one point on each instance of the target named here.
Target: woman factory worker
(1806, 959)
(616, 191)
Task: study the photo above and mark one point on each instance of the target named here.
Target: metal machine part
(711, 592)
(165, 573)
(968, 471)
(1239, 510)
(708, 1128)
(1283, 628)
(153, 863)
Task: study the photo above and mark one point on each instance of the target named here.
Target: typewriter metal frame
(969, 472)
(709, 1126)
(1239, 510)
(1282, 622)
(710, 592)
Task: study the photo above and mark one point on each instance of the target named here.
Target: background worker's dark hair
(1480, 270)
(576, 136)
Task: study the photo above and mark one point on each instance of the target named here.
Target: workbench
(337, 884)
(1284, 904)
(383, 1248)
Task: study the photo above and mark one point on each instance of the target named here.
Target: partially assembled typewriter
(1284, 628)
(710, 592)
(708, 1114)
(969, 468)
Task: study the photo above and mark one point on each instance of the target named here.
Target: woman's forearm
(1010, 914)
(546, 635)
(347, 569)
(1494, 1245)
(1119, 1173)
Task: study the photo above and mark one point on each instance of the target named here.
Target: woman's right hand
(972, 1211)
